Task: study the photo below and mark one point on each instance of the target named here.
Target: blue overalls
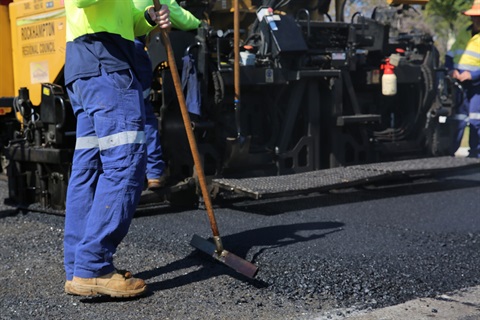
(109, 160)
(143, 67)
(107, 172)
(473, 98)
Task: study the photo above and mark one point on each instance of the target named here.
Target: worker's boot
(70, 290)
(155, 184)
(114, 284)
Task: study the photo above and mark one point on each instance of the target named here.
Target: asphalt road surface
(320, 256)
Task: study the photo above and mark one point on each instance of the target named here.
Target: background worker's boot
(154, 184)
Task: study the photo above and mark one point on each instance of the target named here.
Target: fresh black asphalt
(346, 250)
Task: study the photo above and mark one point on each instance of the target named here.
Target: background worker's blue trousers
(468, 113)
(108, 170)
(459, 120)
(143, 67)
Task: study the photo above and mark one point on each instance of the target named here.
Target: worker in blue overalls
(108, 168)
(183, 20)
(463, 59)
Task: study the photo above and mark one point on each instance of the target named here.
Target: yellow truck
(6, 67)
(32, 53)
(35, 52)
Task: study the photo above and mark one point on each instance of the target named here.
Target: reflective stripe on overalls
(108, 170)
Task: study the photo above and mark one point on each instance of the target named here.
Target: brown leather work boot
(154, 184)
(69, 289)
(114, 284)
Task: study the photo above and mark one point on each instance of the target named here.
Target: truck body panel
(38, 43)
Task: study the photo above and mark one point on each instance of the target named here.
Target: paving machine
(281, 96)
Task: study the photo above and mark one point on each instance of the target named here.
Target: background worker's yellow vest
(470, 59)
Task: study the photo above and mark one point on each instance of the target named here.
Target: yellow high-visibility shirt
(181, 19)
(470, 59)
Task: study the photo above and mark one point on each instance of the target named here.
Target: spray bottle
(389, 79)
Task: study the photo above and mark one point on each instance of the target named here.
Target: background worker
(460, 119)
(465, 67)
(180, 19)
(108, 168)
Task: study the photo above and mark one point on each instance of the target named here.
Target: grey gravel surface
(347, 250)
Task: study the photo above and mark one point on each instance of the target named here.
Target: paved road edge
(463, 304)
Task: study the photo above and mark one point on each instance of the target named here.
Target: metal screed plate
(342, 177)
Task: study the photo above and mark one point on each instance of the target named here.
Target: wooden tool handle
(157, 5)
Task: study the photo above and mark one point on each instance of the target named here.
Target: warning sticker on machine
(269, 76)
(39, 72)
(5, 110)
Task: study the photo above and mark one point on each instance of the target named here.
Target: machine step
(358, 118)
(341, 177)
